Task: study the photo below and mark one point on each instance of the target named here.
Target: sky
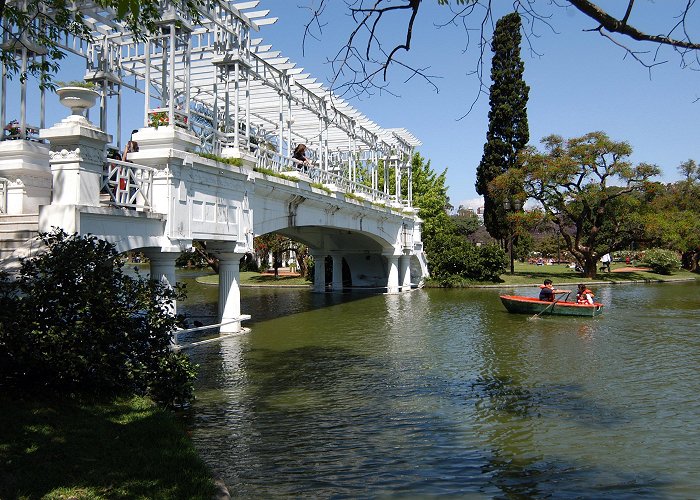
(579, 82)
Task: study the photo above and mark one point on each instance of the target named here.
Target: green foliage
(672, 218)
(78, 83)
(272, 173)
(588, 188)
(508, 131)
(464, 261)
(74, 323)
(236, 162)
(466, 222)
(662, 261)
(318, 185)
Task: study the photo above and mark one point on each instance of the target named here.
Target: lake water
(443, 393)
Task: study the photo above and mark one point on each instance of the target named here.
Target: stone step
(18, 223)
(16, 233)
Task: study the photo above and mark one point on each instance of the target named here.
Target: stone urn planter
(78, 99)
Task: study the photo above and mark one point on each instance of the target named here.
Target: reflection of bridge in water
(222, 112)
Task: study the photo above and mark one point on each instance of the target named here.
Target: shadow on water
(443, 394)
(321, 419)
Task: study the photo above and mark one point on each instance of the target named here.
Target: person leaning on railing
(300, 156)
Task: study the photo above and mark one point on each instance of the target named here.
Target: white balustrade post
(337, 283)
(392, 284)
(405, 267)
(76, 156)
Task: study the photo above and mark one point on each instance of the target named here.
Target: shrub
(662, 261)
(456, 260)
(74, 323)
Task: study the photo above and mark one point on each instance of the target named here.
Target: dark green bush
(74, 323)
(458, 260)
(662, 261)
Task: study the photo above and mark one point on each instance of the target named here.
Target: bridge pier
(162, 267)
(229, 286)
(405, 268)
(337, 280)
(392, 285)
(319, 272)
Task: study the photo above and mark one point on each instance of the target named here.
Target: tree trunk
(590, 268)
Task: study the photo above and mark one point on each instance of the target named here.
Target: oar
(536, 316)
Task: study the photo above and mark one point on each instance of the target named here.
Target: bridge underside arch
(360, 253)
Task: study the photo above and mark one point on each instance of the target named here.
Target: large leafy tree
(508, 131)
(673, 218)
(38, 26)
(588, 188)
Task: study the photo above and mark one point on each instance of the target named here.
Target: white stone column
(162, 267)
(337, 282)
(319, 272)
(392, 284)
(77, 158)
(229, 254)
(229, 291)
(405, 275)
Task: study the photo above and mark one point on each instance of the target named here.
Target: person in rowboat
(547, 291)
(584, 295)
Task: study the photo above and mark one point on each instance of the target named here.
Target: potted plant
(158, 118)
(77, 95)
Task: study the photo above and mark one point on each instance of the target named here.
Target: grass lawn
(533, 274)
(122, 449)
(525, 274)
(257, 279)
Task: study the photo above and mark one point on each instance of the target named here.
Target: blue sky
(579, 82)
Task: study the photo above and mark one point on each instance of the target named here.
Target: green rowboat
(532, 305)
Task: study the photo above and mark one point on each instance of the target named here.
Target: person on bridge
(131, 147)
(300, 156)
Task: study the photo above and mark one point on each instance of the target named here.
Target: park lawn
(256, 279)
(526, 274)
(127, 448)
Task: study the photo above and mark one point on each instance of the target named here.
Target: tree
(672, 220)
(587, 188)
(451, 258)
(38, 26)
(466, 221)
(373, 47)
(508, 131)
(73, 323)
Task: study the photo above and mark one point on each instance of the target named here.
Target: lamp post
(515, 205)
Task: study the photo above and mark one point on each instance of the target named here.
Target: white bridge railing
(272, 160)
(3, 195)
(127, 184)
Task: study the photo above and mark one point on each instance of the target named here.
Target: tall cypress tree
(508, 131)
